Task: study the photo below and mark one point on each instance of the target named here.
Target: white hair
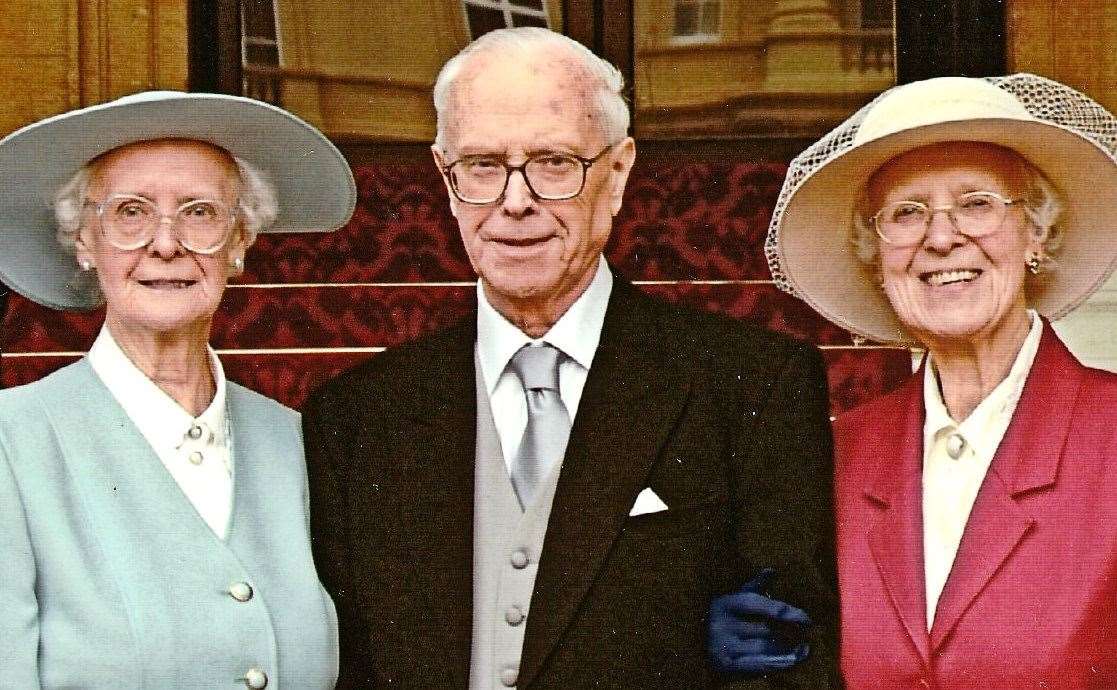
(522, 42)
(256, 208)
(1042, 202)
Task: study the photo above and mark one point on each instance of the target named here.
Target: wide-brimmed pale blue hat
(314, 186)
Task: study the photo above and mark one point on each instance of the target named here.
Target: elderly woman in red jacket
(977, 504)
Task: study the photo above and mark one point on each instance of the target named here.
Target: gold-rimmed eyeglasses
(129, 222)
(974, 214)
(551, 175)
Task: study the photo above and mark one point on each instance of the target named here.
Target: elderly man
(548, 495)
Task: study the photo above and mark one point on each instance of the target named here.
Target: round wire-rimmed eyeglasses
(974, 214)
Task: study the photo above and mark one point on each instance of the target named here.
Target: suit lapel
(633, 395)
(121, 476)
(896, 540)
(255, 445)
(431, 457)
(1026, 461)
(447, 473)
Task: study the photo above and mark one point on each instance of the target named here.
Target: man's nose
(518, 199)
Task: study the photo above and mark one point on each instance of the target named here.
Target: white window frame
(507, 8)
(247, 40)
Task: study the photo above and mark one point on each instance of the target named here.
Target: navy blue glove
(753, 634)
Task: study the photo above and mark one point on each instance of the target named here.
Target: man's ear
(622, 157)
(441, 163)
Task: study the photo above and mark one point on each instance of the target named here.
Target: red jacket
(1031, 601)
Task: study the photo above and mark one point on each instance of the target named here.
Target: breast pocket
(705, 515)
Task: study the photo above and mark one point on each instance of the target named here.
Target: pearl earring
(1032, 264)
(238, 264)
(85, 265)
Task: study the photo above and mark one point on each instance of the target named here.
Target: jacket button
(256, 679)
(241, 591)
(514, 615)
(195, 458)
(519, 559)
(508, 676)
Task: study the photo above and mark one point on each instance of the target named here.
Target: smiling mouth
(940, 278)
(167, 284)
(520, 241)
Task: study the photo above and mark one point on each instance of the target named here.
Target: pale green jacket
(110, 579)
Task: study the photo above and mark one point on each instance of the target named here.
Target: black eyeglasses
(553, 176)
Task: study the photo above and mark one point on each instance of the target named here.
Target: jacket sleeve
(783, 459)
(19, 622)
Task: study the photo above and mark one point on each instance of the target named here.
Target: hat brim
(314, 186)
(817, 256)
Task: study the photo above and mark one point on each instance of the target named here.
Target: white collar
(576, 333)
(161, 420)
(999, 404)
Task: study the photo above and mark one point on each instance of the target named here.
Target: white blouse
(197, 451)
(956, 457)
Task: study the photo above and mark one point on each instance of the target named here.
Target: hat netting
(1046, 100)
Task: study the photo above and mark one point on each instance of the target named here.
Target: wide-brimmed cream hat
(1065, 134)
(313, 183)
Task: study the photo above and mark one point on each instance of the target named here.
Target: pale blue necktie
(548, 422)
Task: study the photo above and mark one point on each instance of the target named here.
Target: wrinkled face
(951, 287)
(530, 253)
(161, 287)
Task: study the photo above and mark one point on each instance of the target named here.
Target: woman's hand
(751, 633)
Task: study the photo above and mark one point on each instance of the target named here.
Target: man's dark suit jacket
(727, 423)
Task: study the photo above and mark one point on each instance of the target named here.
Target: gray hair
(256, 209)
(1042, 202)
(610, 102)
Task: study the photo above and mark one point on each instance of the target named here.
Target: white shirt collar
(161, 420)
(997, 407)
(576, 333)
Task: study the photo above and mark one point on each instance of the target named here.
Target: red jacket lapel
(896, 540)
(1027, 460)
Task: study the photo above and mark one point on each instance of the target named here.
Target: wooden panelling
(1071, 42)
(65, 54)
(366, 75)
(39, 73)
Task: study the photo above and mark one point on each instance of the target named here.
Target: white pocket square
(647, 502)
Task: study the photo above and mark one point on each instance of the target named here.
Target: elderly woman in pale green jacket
(153, 516)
